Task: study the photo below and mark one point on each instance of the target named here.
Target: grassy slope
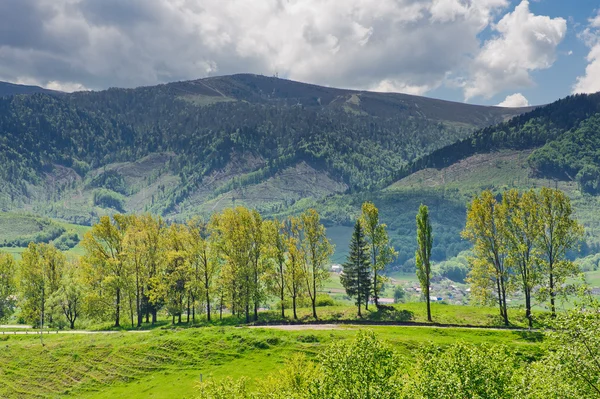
(164, 364)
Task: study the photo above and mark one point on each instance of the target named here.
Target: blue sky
(557, 81)
(514, 52)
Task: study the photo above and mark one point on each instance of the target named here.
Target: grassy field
(168, 363)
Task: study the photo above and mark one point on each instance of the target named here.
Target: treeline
(520, 243)
(573, 156)
(522, 132)
(135, 266)
(89, 130)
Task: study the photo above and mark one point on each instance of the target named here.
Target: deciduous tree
(489, 271)
(8, 285)
(423, 254)
(560, 233)
(317, 249)
(381, 252)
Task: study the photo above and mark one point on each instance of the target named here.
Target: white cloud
(410, 45)
(515, 101)
(590, 81)
(525, 43)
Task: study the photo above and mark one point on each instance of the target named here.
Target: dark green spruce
(356, 277)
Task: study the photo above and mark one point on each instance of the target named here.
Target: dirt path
(300, 327)
(36, 332)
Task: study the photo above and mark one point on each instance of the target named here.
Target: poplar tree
(381, 253)
(69, 297)
(204, 262)
(560, 233)
(317, 249)
(8, 285)
(277, 250)
(40, 273)
(356, 277)
(103, 246)
(423, 254)
(489, 270)
(295, 262)
(522, 229)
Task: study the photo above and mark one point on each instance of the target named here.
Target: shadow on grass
(531, 336)
(390, 313)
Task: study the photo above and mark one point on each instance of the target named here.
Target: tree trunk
(138, 300)
(207, 301)
(118, 308)
(72, 322)
(528, 307)
(294, 306)
(188, 310)
(314, 297)
(552, 294)
(375, 293)
(247, 312)
(131, 310)
(428, 301)
(506, 322)
(282, 293)
(499, 290)
(140, 313)
(154, 312)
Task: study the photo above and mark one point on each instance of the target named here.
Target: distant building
(336, 268)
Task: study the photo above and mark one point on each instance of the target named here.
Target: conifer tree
(356, 277)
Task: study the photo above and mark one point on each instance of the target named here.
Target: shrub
(108, 199)
(324, 300)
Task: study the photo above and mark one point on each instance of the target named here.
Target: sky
(492, 52)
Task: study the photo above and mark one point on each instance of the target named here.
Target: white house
(336, 268)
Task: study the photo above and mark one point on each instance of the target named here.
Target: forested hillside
(190, 148)
(553, 146)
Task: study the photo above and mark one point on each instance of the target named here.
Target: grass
(168, 363)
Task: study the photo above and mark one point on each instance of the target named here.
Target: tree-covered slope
(553, 146)
(11, 89)
(219, 140)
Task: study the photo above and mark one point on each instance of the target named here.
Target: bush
(109, 199)
(67, 241)
(399, 294)
(324, 300)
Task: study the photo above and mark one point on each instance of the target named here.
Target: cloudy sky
(480, 51)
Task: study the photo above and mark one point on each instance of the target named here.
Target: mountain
(188, 148)
(556, 146)
(11, 89)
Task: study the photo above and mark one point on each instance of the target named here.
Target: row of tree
(139, 264)
(369, 254)
(520, 243)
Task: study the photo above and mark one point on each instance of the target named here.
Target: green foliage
(399, 294)
(573, 155)
(110, 180)
(423, 254)
(67, 241)
(109, 199)
(356, 277)
(462, 371)
(8, 285)
(365, 368)
(21, 229)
